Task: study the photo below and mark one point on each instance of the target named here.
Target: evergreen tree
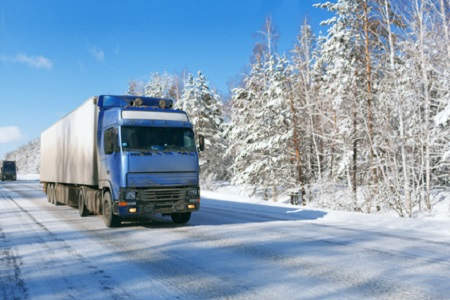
(261, 131)
(275, 142)
(134, 88)
(243, 131)
(159, 86)
(204, 108)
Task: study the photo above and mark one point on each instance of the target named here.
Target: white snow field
(230, 249)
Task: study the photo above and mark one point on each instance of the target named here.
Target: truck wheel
(54, 200)
(52, 194)
(49, 193)
(108, 216)
(181, 218)
(82, 204)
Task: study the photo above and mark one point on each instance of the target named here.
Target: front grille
(162, 200)
(163, 195)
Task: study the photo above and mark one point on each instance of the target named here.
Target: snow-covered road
(229, 250)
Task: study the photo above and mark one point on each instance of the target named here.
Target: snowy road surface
(229, 250)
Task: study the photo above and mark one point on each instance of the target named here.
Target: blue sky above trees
(55, 54)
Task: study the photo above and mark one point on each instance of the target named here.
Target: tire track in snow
(12, 285)
(72, 288)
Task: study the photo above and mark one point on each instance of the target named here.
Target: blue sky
(55, 54)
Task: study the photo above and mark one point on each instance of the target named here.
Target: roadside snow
(235, 247)
(437, 221)
(28, 176)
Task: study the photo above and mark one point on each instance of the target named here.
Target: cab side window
(110, 141)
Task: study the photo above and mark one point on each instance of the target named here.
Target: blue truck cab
(123, 157)
(148, 158)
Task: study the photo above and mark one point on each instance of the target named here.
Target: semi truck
(126, 158)
(8, 170)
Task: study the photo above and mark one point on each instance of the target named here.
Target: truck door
(111, 159)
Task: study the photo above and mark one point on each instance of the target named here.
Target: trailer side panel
(68, 148)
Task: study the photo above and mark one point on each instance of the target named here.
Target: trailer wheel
(82, 204)
(52, 194)
(181, 218)
(54, 200)
(108, 216)
(49, 193)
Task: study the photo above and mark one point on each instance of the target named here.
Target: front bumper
(148, 202)
(4, 177)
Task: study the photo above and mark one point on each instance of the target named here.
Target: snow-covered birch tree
(305, 110)
(341, 58)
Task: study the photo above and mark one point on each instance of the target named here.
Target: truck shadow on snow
(222, 212)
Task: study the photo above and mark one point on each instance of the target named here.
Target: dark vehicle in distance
(8, 170)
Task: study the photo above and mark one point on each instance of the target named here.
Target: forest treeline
(363, 109)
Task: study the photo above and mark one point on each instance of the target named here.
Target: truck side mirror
(201, 142)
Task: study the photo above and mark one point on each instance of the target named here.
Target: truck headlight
(193, 194)
(130, 195)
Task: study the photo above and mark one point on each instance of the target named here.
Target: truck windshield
(135, 138)
(9, 166)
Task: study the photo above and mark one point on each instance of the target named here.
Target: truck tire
(82, 204)
(52, 194)
(108, 216)
(54, 200)
(49, 193)
(181, 218)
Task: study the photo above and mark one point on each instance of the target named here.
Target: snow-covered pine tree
(135, 88)
(242, 132)
(159, 86)
(277, 166)
(188, 97)
(204, 107)
(261, 131)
